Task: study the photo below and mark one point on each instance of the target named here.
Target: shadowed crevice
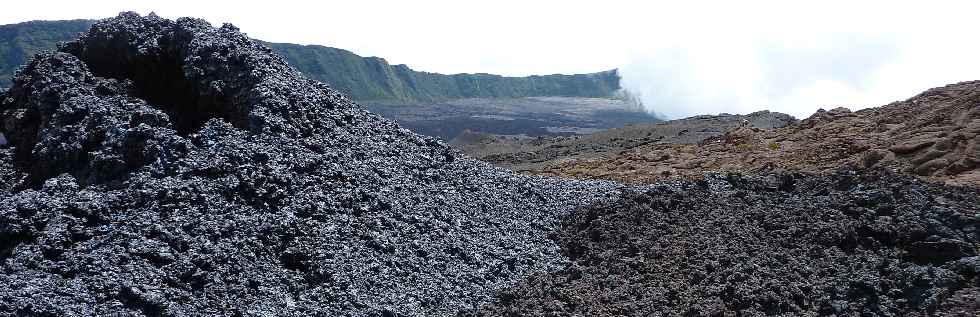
(161, 80)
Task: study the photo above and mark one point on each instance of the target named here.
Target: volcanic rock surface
(934, 135)
(850, 243)
(170, 167)
(540, 153)
(156, 167)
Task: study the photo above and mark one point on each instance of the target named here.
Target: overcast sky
(682, 57)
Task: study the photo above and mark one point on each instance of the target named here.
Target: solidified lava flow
(855, 244)
(161, 167)
(156, 167)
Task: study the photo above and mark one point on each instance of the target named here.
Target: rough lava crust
(170, 167)
(852, 243)
(157, 167)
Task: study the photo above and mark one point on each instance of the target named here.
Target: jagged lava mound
(170, 167)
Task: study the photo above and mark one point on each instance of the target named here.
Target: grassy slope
(18, 42)
(372, 78)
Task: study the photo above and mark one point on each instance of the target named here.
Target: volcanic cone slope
(170, 167)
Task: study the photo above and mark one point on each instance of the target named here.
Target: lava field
(853, 244)
(170, 168)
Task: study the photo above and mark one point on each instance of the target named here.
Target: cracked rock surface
(170, 167)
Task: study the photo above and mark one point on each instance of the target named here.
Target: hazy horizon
(682, 58)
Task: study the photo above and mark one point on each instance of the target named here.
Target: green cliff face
(18, 42)
(363, 78)
(372, 78)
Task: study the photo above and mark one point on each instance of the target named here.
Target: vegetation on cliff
(18, 42)
(362, 78)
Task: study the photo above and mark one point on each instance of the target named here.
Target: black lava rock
(883, 245)
(158, 167)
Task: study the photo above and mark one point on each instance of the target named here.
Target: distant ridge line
(362, 78)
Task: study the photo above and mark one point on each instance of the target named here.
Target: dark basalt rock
(939, 252)
(852, 243)
(159, 167)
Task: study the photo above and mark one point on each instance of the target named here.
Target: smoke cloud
(748, 76)
(798, 63)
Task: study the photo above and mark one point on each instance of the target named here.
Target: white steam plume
(797, 61)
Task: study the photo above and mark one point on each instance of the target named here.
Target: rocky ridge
(361, 78)
(932, 135)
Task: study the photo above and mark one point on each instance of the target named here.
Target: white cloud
(686, 57)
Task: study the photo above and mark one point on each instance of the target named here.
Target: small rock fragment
(910, 147)
(930, 167)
